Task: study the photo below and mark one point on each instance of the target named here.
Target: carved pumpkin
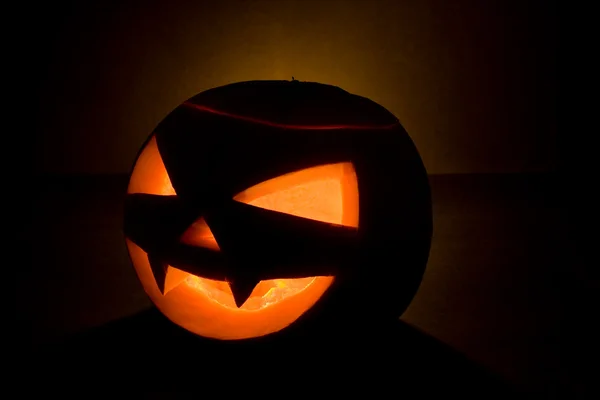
(260, 205)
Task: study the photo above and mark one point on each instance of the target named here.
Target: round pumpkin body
(266, 205)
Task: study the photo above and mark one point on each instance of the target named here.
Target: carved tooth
(167, 278)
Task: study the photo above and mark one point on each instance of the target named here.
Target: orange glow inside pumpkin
(327, 193)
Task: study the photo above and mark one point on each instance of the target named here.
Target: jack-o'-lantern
(261, 205)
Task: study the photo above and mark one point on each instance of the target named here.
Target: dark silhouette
(230, 138)
(147, 353)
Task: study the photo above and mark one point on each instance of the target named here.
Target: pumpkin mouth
(265, 293)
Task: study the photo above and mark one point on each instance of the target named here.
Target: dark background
(473, 82)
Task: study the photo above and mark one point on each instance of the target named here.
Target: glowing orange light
(327, 193)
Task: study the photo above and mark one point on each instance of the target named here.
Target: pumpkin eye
(327, 193)
(150, 175)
